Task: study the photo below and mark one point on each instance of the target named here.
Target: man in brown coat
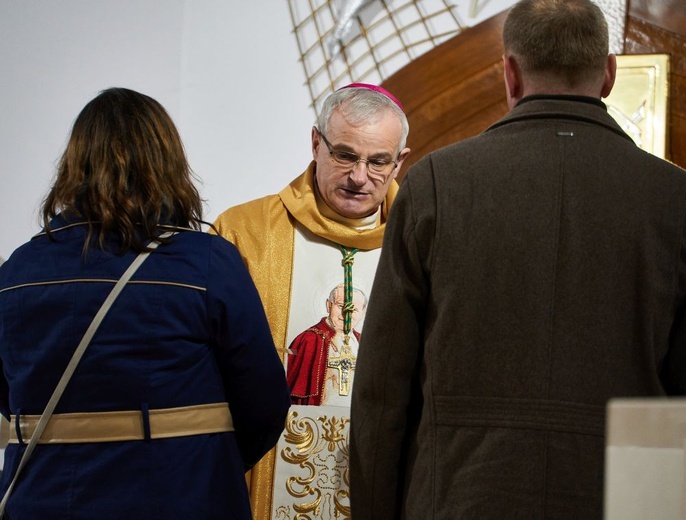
(531, 273)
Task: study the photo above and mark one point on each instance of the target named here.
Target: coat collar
(61, 223)
(570, 108)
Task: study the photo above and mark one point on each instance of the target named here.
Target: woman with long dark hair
(179, 390)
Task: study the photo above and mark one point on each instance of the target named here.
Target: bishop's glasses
(377, 168)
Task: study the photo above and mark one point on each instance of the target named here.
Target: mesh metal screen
(384, 37)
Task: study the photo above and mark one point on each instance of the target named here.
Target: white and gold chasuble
(311, 470)
(291, 247)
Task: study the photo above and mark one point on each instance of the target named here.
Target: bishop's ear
(316, 141)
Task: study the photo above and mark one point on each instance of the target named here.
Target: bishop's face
(349, 190)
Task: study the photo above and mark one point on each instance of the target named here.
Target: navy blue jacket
(188, 329)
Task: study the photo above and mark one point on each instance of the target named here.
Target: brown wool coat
(527, 275)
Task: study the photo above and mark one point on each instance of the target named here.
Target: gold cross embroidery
(345, 363)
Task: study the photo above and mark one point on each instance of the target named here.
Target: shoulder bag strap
(76, 357)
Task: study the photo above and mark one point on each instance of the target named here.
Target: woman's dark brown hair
(124, 172)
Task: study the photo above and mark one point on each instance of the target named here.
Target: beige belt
(126, 425)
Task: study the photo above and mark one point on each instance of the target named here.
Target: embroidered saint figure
(322, 363)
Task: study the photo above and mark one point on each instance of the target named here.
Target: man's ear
(513, 80)
(316, 142)
(399, 162)
(403, 155)
(610, 76)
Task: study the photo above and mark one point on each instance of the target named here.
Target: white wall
(226, 70)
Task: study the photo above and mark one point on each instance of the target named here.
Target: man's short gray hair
(361, 105)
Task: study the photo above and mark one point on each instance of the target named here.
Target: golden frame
(638, 101)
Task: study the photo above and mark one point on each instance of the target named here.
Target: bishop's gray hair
(361, 105)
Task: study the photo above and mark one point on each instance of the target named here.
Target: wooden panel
(668, 14)
(462, 100)
(643, 37)
(456, 90)
(450, 92)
